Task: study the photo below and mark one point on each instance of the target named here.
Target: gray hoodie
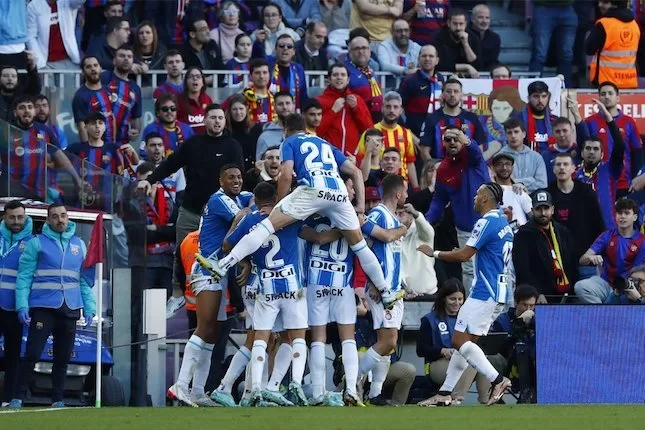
(272, 135)
(529, 168)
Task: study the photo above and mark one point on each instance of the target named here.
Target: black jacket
(319, 62)
(212, 58)
(533, 262)
(451, 52)
(27, 84)
(489, 46)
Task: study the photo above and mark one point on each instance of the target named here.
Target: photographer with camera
(631, 291)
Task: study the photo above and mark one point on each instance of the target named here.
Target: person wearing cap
(372, 198)
(516, 201)
(544, 251)
(538, 119)
(528, 167)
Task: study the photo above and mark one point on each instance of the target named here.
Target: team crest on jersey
(114, 97)
(388, 315)
(611, 243)
(465, 128)
(443, 327)
(21, 247)
(20, 151)
(106, 158)
(40, 136)
(633, 248)
(75, 249)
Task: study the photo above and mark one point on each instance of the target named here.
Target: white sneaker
(174, 305)
(181, 394)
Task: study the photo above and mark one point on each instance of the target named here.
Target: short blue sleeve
(375, 218)
(479, 236)
(599, 245)
(339, 156)
(286, 151)
(223, 207)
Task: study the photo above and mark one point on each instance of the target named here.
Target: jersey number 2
(274, 243)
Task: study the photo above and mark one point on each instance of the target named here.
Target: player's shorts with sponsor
(200, 282)
(305, 201)
(385, 318)
(331, 304)
(477, 316)
(289, 306)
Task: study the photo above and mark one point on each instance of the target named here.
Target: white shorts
(306, 201)
(248, 297)
(200, 283)
(476, 316)
(327, 305)
(290, 307)
(385, 318)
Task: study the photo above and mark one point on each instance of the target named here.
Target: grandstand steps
(516, 42)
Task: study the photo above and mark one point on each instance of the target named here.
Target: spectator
(285, 74)
(426, 17)
(193, 100)
(564, 144)
(500, 71)
(265, 38)
(148, 49)
(311, 51)
(261, 101)
(489, 41)
(96, 19)
(459, 51)
(345, 114)
(434, 343)
(608, 95)
(372, 199)
(174, 84)
(617, 250)
(553, 17)
(451, 113)
(268, 169)
(174, 185)
(41, 104)
(173, 133)
(312, 113)
(226, 33)
(459, 176)
(375, 16)
(297, 13)
(528, 168)
(169, 19)
(603, 176)
(517, 203)
(544, 252)
(613, 42)
(242, 129)
(51, 30)
(394, 135)
(634, 291)
(273, 132)
(388, 162)
(576, 207)
(397, 54)
(427, 180)
(92, 97)
(419, 277)
(421, 90)
(14, 36)
(361, 77)
(335, 14)
(125, 96)
(104, 48)
(12, 86)
(240, 60)
(200, 51)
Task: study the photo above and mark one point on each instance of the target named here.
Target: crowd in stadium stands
(573, 190)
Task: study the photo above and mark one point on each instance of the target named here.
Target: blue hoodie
(13, 22)
(29, 263)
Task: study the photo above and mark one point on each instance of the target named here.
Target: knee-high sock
(192, 355)
(247, 381)
(235, 369)
(202, 370)
(248, 244)
(258, 358)
(317, 368)
(476, 358)
(299, 360)
(456, 368)
(265, 372)
(368, 362)
(370, 265)
(379, 373)
(350, 363)
(281, 364)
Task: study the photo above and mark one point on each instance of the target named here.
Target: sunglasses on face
(167, 109)
(450, 139)
(285, 46)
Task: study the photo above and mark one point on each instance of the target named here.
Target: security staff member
(50, 292)
(15, 232)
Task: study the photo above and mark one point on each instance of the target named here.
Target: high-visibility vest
(616, 62)
(187, 250)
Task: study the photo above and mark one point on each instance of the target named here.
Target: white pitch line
(22, 411)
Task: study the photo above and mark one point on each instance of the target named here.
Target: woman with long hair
(193, 100)
(228, 29)
(147, 47)
(240, 60)
(273, 26)
(242, 129)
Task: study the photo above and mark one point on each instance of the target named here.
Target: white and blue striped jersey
(277, 260)
(388, 254)
(315, 162)
(331, 264)
(492, 237)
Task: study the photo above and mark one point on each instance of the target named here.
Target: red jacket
(343, 129)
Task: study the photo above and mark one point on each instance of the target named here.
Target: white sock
(456, 368)
(299, 348)
(265, 373)
(317, 368)
(247, 381)
(281, 364)
(350, 364)
(235, 369)
(248, 244)
(257, 363)
(370, 265)
(476, 358)
(369, 360)
(379, 373)
(192, 355)
(202, 370)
